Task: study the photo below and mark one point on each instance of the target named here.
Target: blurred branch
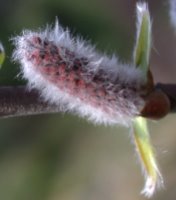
(170, 91)
(18, 101)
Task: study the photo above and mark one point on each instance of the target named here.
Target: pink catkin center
(71, 75)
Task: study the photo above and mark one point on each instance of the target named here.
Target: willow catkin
(71, 74)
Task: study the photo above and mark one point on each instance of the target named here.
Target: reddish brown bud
(157, 105)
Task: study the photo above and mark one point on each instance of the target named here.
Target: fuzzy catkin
(71, 74)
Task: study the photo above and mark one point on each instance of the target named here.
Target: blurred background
(60, 156)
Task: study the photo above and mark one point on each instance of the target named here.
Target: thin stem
(18, 101)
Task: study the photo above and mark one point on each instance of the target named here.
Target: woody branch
(18, 101)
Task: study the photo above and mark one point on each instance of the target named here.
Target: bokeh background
(60, 156)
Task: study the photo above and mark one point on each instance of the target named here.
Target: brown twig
(18, 101)
(170, 91)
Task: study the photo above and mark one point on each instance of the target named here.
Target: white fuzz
(151, 185)
(172, 12)
(142, 8)
(127, 75)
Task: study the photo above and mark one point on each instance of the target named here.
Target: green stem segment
(143, 42)
(146, 155)
(141, 134)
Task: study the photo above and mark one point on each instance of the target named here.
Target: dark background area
(61, 156)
